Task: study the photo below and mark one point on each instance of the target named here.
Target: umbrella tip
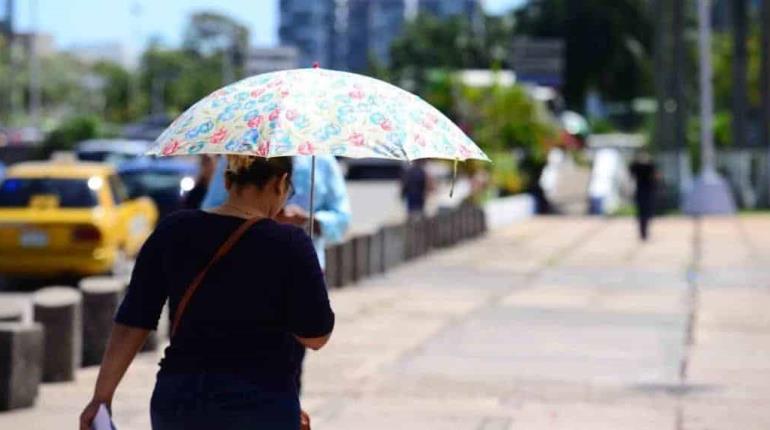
(316, 65)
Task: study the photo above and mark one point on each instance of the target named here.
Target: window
(72, 193)
(119, 193)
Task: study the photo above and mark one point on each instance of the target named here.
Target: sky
(134, 22)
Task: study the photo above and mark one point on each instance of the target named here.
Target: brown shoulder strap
(221, 252)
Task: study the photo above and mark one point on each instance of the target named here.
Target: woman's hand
(304, 420)
(89, 413)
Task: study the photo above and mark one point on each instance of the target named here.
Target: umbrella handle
(311, 220)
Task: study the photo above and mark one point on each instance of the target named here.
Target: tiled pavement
(556, 323)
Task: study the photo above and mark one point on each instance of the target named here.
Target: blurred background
(564, 95)
(589, 78)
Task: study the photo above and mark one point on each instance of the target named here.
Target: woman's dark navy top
(244, 315)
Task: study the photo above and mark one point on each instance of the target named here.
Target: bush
(506, 175)
(72, 131)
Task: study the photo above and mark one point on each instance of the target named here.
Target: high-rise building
(310, 26)
(448, 8)
(371, 27)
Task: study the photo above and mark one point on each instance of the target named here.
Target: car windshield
(71, 193)
(141, 183)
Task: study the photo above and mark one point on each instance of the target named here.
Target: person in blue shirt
(332, 206)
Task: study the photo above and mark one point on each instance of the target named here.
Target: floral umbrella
(314, 112)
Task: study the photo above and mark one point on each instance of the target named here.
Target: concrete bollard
(10, 312)
(442, 230)
(423, 234)
(101, 298)
(466, 215)
(395, 241)
(347, 254)
(21, 349)
(59, 310)
(376, 254)
(333, 269)
(361, 249)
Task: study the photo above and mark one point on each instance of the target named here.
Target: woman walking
(246, 294)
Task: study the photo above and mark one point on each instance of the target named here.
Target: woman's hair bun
(258, 171)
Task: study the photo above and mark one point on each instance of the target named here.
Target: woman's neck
(250, 207)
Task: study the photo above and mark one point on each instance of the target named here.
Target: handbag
(196, 282)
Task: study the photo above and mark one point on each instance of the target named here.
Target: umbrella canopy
(314, 112)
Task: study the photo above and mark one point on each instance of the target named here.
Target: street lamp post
(34, 68)
(765, 82)
(710, 194)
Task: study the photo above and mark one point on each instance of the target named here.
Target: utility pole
(34, 67)
(710, 194)
(740, 80)
(764, 24)
(8, 85)
(134, 78)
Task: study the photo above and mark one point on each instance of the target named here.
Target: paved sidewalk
(556, 323)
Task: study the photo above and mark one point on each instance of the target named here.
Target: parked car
(113, 151)
(166, 181)
(69, 218)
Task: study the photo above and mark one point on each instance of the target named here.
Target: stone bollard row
(59, 311)
(21, 358)
(366, 255)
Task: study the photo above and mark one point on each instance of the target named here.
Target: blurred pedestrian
(231, 363)
(416, 185)
(331, 205)
(645, 174)
(194, 198)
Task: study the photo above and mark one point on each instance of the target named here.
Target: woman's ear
(278, 184)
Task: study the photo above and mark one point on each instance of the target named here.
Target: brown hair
(257, 171)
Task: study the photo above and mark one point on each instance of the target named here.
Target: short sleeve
(308, 308)
(147, 293)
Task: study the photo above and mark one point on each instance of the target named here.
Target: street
(554, 323)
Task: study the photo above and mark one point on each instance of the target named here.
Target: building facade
(448, 8)
(310, 26)
(265, 60)
(371, 27)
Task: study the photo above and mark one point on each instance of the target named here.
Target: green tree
(116, 91)
(723, 73)
(72, 131)
(506, 118)
(608, 44)
(429, 43)
(209, 34)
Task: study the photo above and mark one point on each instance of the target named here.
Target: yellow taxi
(68, 218)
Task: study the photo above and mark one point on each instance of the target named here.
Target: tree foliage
(429, 43)
(608, 44)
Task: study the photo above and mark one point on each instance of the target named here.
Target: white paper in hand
(102, 420)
